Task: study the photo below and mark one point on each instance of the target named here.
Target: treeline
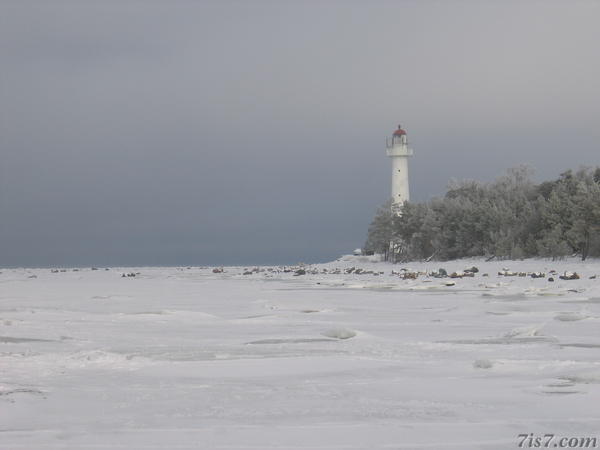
(510, 218)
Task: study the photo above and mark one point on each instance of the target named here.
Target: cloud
(144, 132)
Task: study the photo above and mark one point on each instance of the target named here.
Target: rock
(442, 272)
(409, 275)
(248, 272)
(483, 364)
(551, 279)
(461, 274)
(569, 276)
(472, 270)
(450, 283)
(300, 272)
(538, 275)
(340, 333)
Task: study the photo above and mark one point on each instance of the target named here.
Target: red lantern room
(399, 131)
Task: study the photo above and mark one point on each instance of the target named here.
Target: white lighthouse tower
(398, 150)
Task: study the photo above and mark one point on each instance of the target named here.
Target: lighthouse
(397, 149)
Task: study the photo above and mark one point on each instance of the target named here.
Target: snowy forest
(509, 218)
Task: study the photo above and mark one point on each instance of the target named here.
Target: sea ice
(349, 355)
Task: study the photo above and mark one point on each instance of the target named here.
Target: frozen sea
(184, 358)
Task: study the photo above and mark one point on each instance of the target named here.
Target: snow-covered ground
(178, 358)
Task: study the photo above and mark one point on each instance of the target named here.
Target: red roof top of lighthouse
(399, 131)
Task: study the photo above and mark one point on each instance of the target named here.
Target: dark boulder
(569, 276)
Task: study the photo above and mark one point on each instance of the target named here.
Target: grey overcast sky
(181, 132)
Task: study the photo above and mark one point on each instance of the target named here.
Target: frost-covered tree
(381, 231)
(511, 217)
(416, 230)
(585, 223)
